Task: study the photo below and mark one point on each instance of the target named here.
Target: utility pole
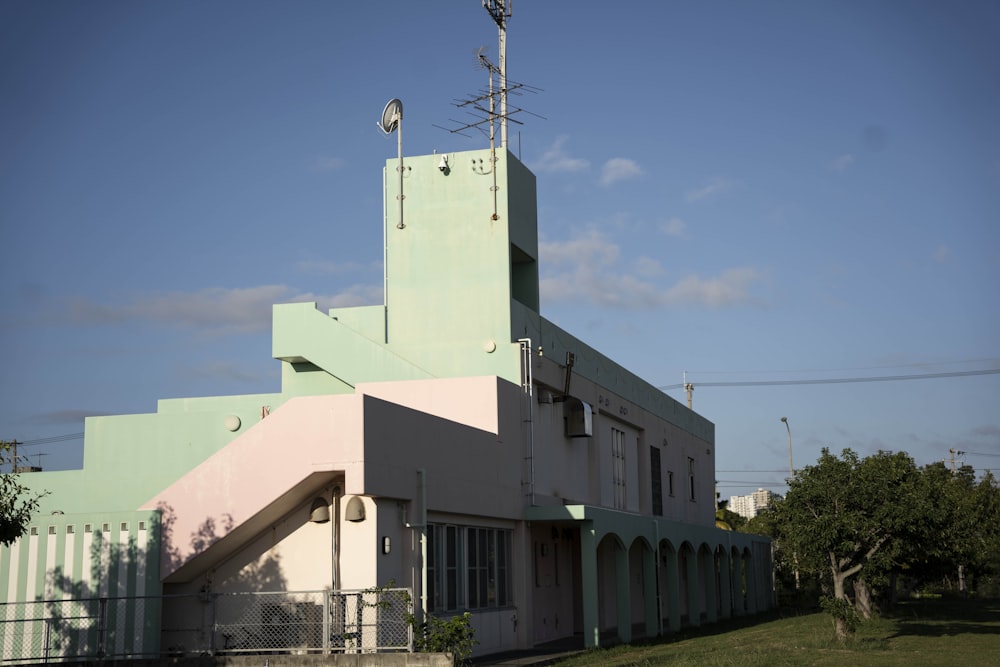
(500, 11)
(954, 453)
(689, 388)
(791, 469)
(13, 451)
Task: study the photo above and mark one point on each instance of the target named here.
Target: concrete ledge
(333, 660)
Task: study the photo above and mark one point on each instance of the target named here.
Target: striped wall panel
(56, 575)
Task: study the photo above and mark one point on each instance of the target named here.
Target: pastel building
(462, 445)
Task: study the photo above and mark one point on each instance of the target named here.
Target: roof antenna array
(482, 105)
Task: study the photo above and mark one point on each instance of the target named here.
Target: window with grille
(468, 567)
(618, 467)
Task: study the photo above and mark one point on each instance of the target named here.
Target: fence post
(213, 628)
(47, 639)
(327, 610)
(102, 626)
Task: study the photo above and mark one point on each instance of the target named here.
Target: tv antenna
(500, 11)
(482, 105)
(392, 120)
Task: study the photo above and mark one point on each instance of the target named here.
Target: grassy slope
(938, 632)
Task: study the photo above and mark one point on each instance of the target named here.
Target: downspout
(422, 527)
(335, 575)
(528, 385)
(385, 261)
(656, 577)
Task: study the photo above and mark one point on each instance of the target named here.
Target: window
(468, 568)
(691, 477)
(479, 567)
(618, 467)
(670, 483)
(656, 480)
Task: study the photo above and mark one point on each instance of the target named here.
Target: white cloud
(592, 246)
(714, 187)
(673, 227)
(224, 370)
(729, 288)
(942, 254)
(648, 267)
(214, 310)
(842, 162)
(588, 269)
(329, 163)
(619, 169)
(327, 267)
(556, 160)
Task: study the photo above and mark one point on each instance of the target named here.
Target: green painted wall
(448, 270)
(68, 561)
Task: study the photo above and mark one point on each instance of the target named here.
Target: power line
(874, 378)
(843, 370)
(52, 439)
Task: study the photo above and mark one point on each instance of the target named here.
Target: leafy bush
(842, 610)
(454, 635)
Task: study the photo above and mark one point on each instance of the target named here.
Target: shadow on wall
(79, 609)
(109, 600)
(263, 574)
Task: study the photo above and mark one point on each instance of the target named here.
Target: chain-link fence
(302, 622)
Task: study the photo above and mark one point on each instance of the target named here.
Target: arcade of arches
(635, 576)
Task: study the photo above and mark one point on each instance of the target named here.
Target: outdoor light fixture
(386, 544)
(319, 511)
(355, 510)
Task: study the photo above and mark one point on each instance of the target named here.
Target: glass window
(468, 567)
(618, 467)
(656, 480)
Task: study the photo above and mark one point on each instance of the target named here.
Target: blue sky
(748, 192)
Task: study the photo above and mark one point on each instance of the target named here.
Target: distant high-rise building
(751, 505)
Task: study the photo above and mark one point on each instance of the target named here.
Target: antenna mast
(500, 11)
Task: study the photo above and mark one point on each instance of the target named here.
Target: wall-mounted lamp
(355, 510)
(386, 544)
(319, 511)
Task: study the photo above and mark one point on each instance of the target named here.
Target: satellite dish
(392, 121)
(391, 115)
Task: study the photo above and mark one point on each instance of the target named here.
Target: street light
(791, 470)
(791, 473)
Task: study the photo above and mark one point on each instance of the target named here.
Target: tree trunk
(840, 629)
(862, 598)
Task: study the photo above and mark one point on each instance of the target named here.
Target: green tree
(955, 532)
(17, 504)
(725, 518)
(844, 515)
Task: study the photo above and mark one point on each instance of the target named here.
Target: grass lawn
(921, 632)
